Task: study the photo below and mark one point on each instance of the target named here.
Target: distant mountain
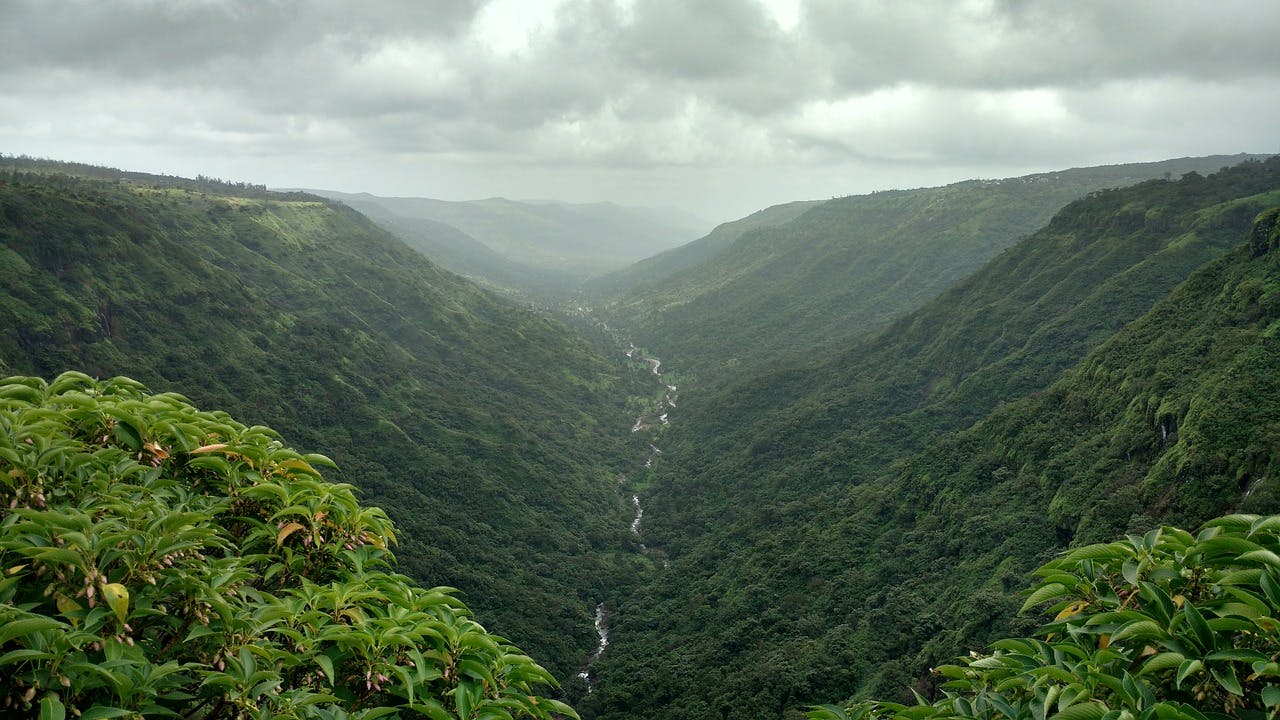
(571, 240)
(458, 252)
(849, 266)
(840, 527)
(489, 433)
(668, 263)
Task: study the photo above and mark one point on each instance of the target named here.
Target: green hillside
(850, 266)
(653, 270)
(827, 533)
(488, 432)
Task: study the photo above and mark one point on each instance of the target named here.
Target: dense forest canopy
(810, 515)
(490, 432)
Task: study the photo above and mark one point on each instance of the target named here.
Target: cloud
(623, 86)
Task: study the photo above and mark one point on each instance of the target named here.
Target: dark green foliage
(160, 561)
(1163, 625)
(837, 527)
(850, 266)
(485, 430)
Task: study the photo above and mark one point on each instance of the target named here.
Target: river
(645, 421)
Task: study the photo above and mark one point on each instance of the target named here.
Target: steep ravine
(649, 420)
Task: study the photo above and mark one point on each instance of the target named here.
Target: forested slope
(850, 266)
(486, 431)
(811, 516)
(652, 271)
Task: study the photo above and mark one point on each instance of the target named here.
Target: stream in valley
(649, 420)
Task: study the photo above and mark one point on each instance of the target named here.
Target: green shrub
(161, 561)
(1166, 626)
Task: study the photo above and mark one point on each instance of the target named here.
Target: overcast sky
(719, 107)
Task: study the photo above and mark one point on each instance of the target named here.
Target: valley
(639, 360)
(632, 491)
(800, 461)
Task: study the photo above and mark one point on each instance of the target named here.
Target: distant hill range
(796, 279)
(526, 245)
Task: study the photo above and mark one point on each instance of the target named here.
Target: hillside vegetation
(842, 527)
(162, 561)
(655, 269)
(848, 267)
(1165, 625)
(491, 434)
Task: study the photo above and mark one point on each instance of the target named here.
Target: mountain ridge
(849, 266)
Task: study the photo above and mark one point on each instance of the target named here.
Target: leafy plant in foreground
(1168, 626)
(161, 561)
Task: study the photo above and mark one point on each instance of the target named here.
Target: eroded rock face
(1266, 232)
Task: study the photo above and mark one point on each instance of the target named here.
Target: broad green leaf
(1099, 551)
(1090, 710)
(24, 655)
(1226, 677)
(1162, 661)
(1235, 523)
(1268, 524)
(1262, 556)
(127, 433)
(1227, 545)
(326, 665)
(1204, 636)
(1045, 593)
(1271, 588)
(1271, 696)
(1140, 629)
(16, 628)
(1239, 654)
(559, 707)
(434, 710)
(51, 708)
(1130, 571)
(1188, 668)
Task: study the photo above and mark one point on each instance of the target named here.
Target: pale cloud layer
(717, 106)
